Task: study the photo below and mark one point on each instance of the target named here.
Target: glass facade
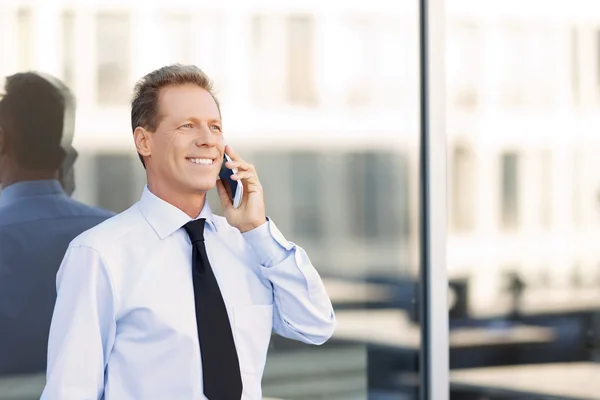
(332, 127)
(521, 261)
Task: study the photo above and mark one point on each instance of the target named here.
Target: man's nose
(205, 137)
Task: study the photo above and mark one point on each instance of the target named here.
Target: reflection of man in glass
(37, 218)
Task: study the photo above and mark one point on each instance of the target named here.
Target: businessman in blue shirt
(37, 218)
(168, 300)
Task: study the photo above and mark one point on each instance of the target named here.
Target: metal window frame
(434, 352)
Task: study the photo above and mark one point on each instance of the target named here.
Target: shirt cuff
(268, 244)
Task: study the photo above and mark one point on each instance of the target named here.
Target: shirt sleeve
(302, 309)
(83, 327)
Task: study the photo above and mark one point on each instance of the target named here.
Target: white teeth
(204, 161)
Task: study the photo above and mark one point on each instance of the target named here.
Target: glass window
(175, 39)
(301, 60)
(361, 60)
(462, 188)
(25, 35)
(509, 190)
(527, 273)
(464, 64)
(332, 126)
(113, 52)
(380, 203)
(68, 48)
(597, 52)
(576, 65)
(547, 171)
(306, 180)
(115, 181)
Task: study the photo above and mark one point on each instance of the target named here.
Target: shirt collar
(22, 190)
(165, 218)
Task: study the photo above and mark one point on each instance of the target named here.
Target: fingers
(237, 164)
(246, 171)
(244, 176)
(232, 154)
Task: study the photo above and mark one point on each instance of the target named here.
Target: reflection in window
(464, 64)
(268, 72)
(463, 189)
(378, 193)
(300, 60)
(115, 181)
(175, 39)
(272, 168)
(598, 61)
(68, 48)
(577, 187)
(25, 39)
(360, 62)
(510, 190)
(546, 189)
(576, 65)
(306, 189)
(113, 52)
(512, 56)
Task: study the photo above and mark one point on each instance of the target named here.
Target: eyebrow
(211, 120)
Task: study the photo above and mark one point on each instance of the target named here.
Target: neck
(27, 175)
(190, 203)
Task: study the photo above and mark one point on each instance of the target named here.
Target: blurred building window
(577, 183)
(115, 181)
(597, 54)
(395, 79)
(513, 70)
(268, 66)
(275, 178)
(378, 190)
(113, 54)
(175, 39)
(25, 39)
(463, 193)
(509, 190)
(546, 188)
(464, 65)
(576, 65)
(306, 180)
(301, 60)
(68, 48)
(360, 62)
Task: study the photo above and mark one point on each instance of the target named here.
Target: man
(37, 218)
(167, 300)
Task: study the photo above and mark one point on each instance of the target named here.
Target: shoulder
(111, 231)
(85, 210)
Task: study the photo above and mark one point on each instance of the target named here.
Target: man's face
(186, 151)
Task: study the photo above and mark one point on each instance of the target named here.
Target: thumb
(223, 196)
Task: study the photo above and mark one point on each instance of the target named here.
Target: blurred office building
(324, 100)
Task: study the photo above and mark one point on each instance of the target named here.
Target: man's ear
(141, 138)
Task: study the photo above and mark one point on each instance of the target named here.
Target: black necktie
(220, 364)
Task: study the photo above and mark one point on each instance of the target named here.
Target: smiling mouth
(201, 161)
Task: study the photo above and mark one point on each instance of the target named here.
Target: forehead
(186, 101)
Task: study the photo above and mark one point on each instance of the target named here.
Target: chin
(203, 187)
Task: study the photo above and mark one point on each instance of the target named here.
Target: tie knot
(195, 230)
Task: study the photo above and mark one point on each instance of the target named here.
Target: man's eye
(215, 128)
(187, 126)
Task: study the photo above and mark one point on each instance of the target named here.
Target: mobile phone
(236, 189)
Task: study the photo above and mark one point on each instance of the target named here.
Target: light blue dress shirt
(124, 324)
(37, 222)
